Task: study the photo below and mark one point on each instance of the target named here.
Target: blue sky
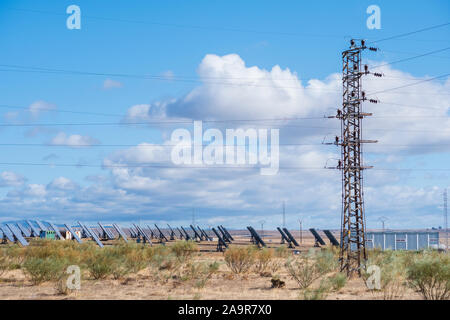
(170, 40)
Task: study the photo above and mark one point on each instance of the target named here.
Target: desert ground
(162, 283)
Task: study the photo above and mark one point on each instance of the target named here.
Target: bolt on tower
(352, 250)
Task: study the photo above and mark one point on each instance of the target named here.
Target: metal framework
(352, 249)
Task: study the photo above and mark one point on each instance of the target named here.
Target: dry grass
(179, 271)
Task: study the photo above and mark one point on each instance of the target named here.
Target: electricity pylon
(352, 250)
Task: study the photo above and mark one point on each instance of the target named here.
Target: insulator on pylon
(353, 93)
(376, 74)
(373, 49)
(352, 42)
(363, 43)
(336, 140)
(373, 100)
(363, 94)
(366, 69)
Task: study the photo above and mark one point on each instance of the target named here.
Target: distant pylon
(445, 219)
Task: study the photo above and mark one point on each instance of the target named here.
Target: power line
(410, 84)
(411, 32)
(81, 165)
(411, 58)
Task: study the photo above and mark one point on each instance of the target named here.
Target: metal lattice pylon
(352, 249)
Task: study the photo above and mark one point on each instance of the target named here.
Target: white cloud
(11, 179)
(38, 107)
(74, 140)
(62, 183)
(111, 84)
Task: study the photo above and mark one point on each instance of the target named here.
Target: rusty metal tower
(352, 250)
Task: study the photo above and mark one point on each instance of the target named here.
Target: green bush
(338, 281)
(430, 275)
(101, 264)
(44, 269)
(184, 250)
(240, 259)
(317, 294)
(326, 261)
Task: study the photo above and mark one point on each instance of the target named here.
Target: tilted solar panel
(7, 234)
(256, 237)
(34, 230)
(330, 237)
(56, 229)
(17, 235)
(289, 235)
(120, 232)
(106, 232)
(317, 236)
(25, 231)
(41, 226)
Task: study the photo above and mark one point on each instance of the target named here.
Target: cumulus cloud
(111, 84)
(74, 140)
(138, 182)
(11, 179)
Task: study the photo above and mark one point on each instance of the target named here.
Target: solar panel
(90, 233)
(207, 237)
(74, 235)
(172, 233)
(34, 230)
(133, 233)
(256, 237)
(330, 237)
(284, 237)
(161, 235)
(120, 232)
(106, 232)
(318, 238)
(152, 234)
(41, 226)
(17, 235)
(224, 235)
(196, 235)
(220, 242)
(228, 234)
(188, 237)
(7, 234)
(143, 234)
(25, 231)
(56, 229)
(289, 235)
(181, 233)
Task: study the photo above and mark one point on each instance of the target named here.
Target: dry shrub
(326, 260)
(338, 281)
(199, 273)
(282, 252)
(101, 264)
(430, 275)
(263, 260)
(319, 293)
(240, 259)
(393, 272)
(303, 270)
(44, 269)
(184, 250)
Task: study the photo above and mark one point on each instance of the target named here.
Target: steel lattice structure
(352, 249)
